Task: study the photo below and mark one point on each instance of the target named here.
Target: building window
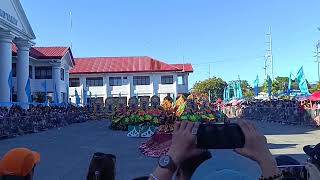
(14, 70)
(141, 80)
(74, 82)
(30, 72)
(166, 79)
(115, 81)
(95, 81)
(62, 74)
(43, 72)
(181, 80)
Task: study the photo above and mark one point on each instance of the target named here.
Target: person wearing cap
(19, 164)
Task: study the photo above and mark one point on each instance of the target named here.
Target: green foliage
(39, 97)
(214, 85)
(275, 87)
(316, 88)
(247, 90)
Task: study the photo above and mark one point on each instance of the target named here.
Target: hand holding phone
(220, 136)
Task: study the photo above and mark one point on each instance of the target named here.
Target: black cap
(313, 151)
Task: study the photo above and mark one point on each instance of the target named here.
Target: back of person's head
(102, 167)
(18, 164)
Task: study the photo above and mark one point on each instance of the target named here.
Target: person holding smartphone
(184, 147)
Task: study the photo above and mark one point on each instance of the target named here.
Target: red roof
(124, 65)
(184, 67)
(46, 52)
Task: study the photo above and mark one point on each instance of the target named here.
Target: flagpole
(71, 30)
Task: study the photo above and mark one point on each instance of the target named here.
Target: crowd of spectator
(16, 121)
(282, 111)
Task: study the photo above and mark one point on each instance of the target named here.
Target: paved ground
(66, 152)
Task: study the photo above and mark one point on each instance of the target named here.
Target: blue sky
(229, 36)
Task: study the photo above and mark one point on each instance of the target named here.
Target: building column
(5, 64)
(22, 69)
(155, 84)
(56, 66)
(175, 85)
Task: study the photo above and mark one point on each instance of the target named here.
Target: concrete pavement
(66, 152)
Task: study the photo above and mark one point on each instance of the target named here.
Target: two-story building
(126, 77)
(21, 64)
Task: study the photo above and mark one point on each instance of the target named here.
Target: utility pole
(269, 51)
(265, 67)
(71, 30)
(317, 59)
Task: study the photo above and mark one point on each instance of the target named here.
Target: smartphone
(220, 136)
(298, 172)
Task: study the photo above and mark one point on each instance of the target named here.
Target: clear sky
(228, 36)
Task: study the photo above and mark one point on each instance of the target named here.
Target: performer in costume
(191, 109)
(160, 142)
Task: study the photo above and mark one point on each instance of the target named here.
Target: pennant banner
(256, 86)
(28, 91)
(302, 82)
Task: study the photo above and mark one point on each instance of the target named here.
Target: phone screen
(220, 136)
(294, 172)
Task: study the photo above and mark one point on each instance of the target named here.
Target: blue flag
(77, 97)
(302, 82)
(10, 84)
(235, 95)
(84, 97)
(28, 91)
(228, 93)
(289, 85)
(56, 95)
(224, 94)
(44, 85)
(67, 93)
(239, 89)
(269, 86)
(256, 86)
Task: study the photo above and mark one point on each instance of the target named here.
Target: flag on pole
(67, 93)
(56, 95)
(224, 94)
(302, 81)
(228, 93)
(28, 91)
(84, 97)
(235, 95)
(77, 97)
(269, 86)
(239, 89)
(256, 86)
(10, 84)
(289, 85)
(44, 85)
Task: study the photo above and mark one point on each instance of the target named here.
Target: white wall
(128, 89)
(36, 84)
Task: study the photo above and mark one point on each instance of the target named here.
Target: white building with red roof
(126, 77)
(28, 72)
(25, 69)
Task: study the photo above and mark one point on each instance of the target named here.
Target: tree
(316, 88)
(39, 97)
(280, 84)
(214, 85)
(275, 87)
(247, 90)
